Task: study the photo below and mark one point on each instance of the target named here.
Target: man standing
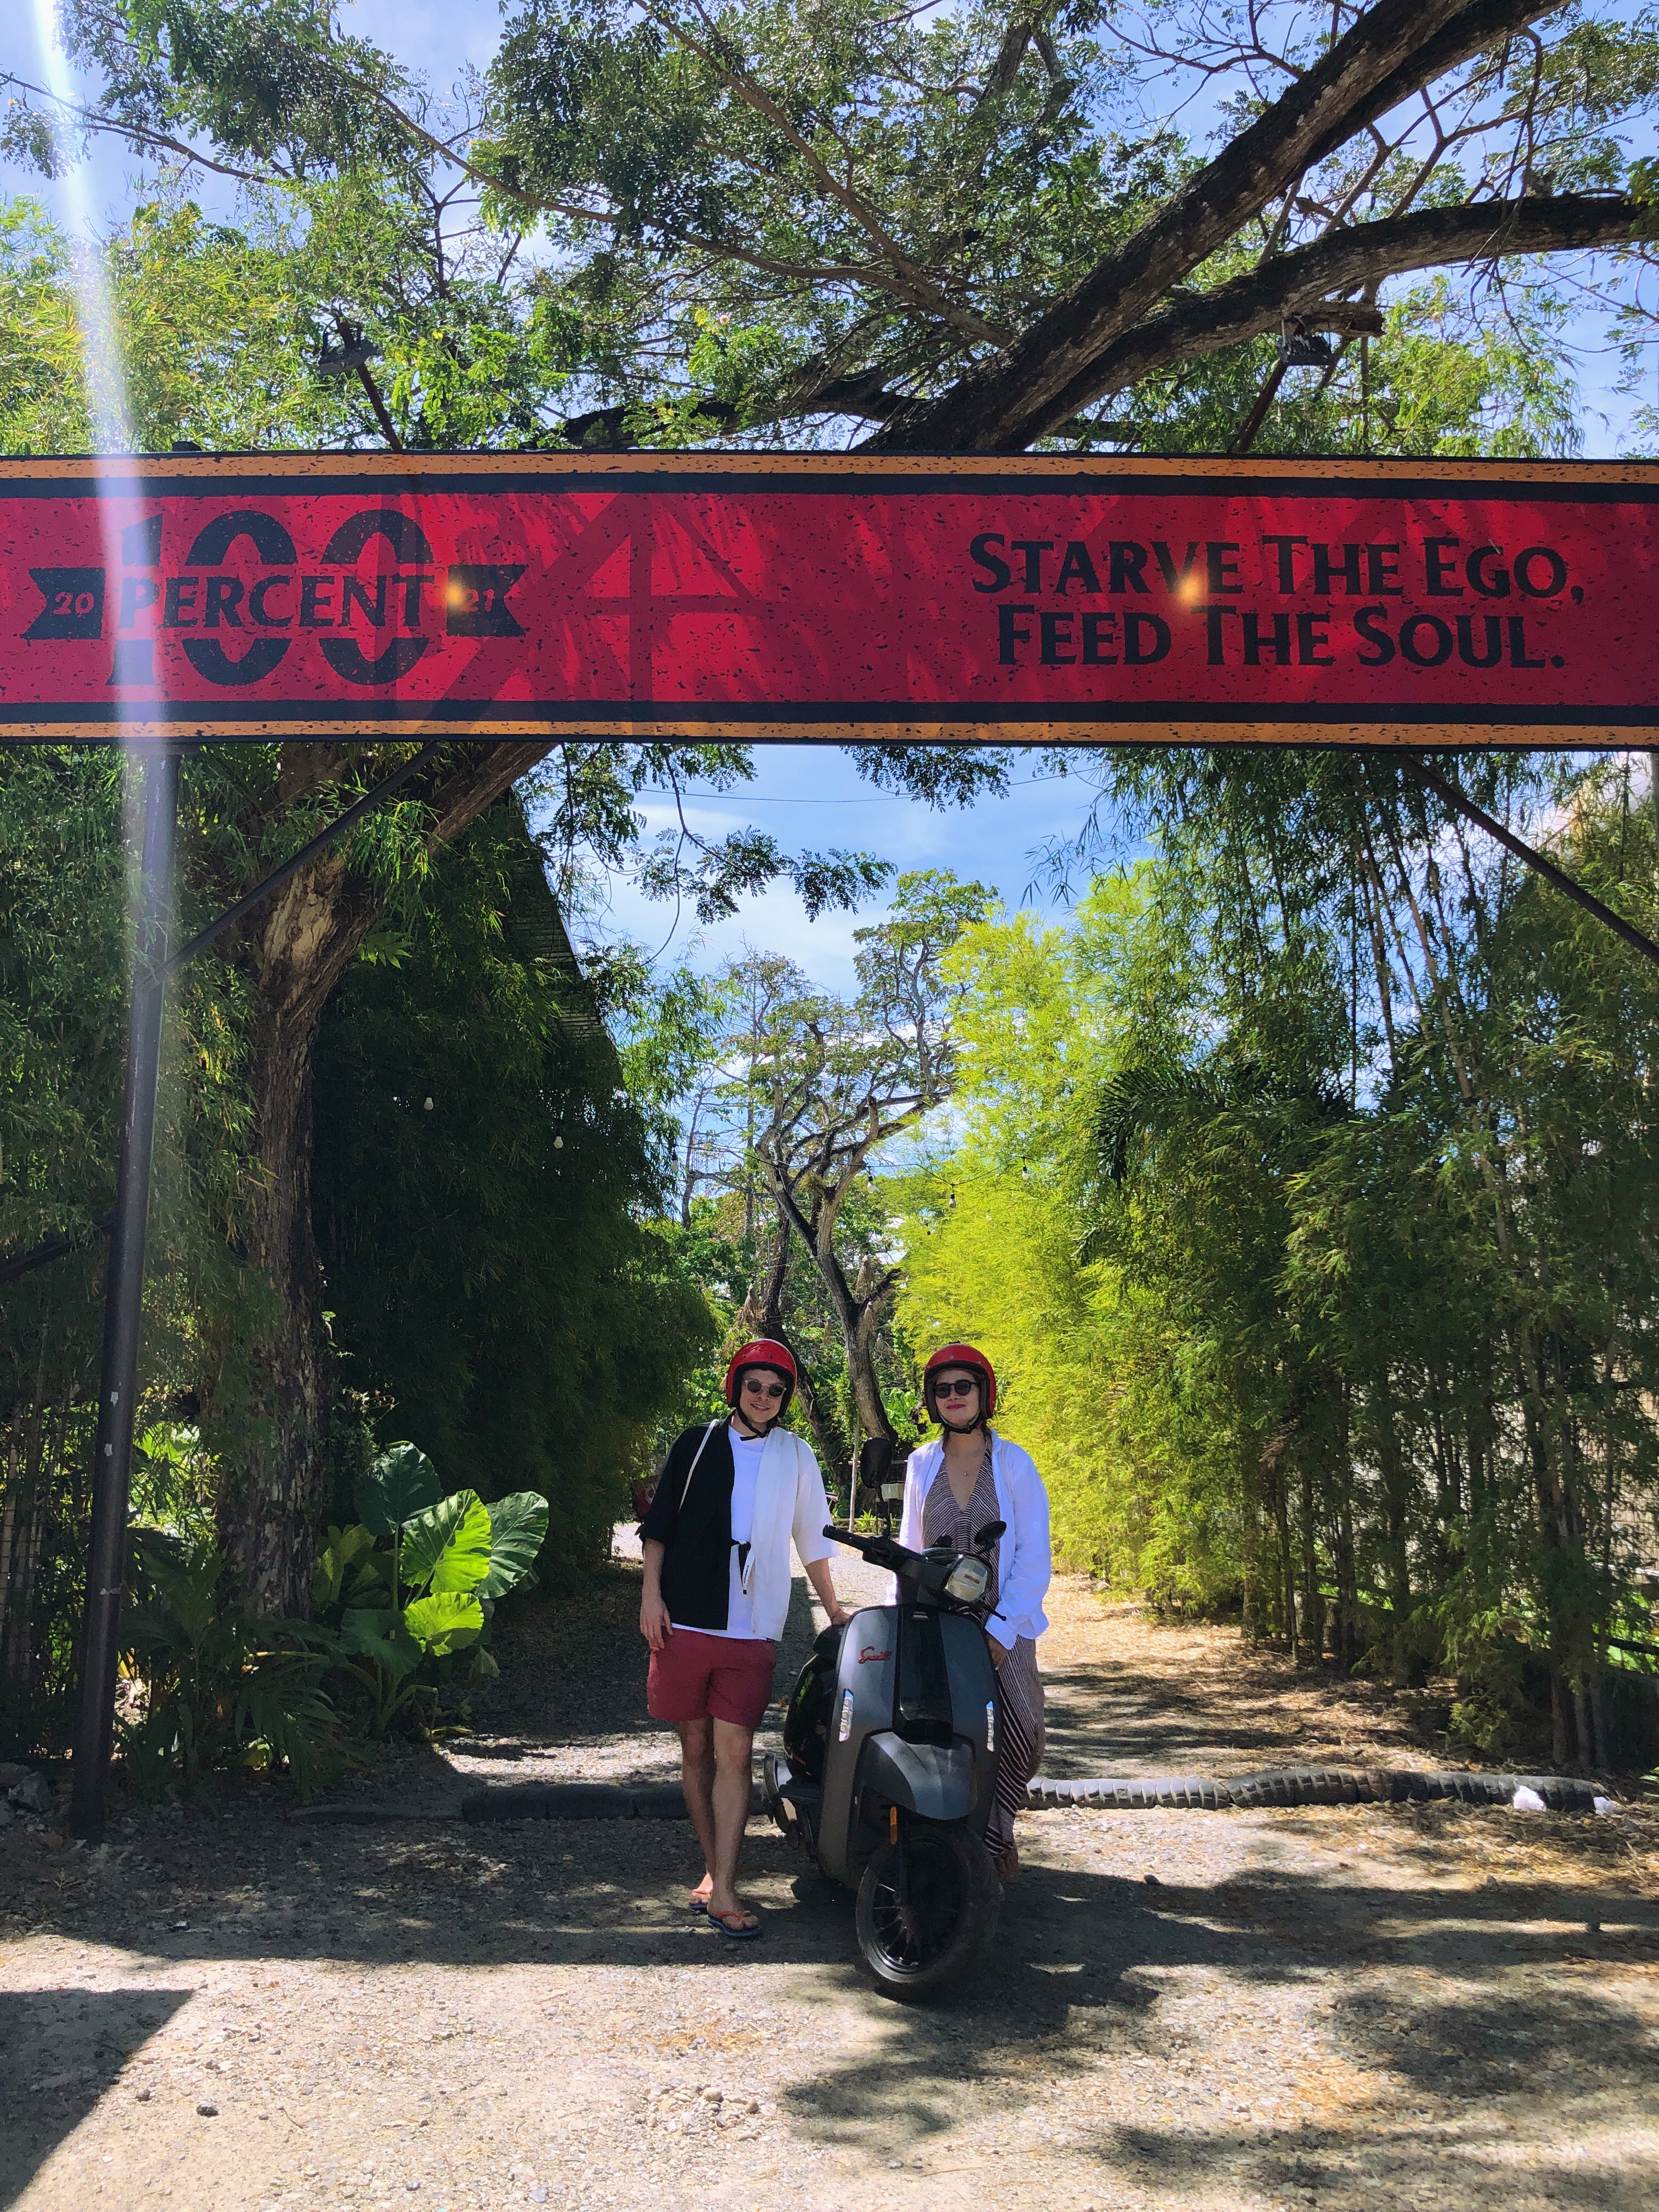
(716, 1540)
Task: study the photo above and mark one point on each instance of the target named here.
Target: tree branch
(136, 134)
(611, 219)
(1001, 406)
(605, 430)
(1419, 770)
(921, 290)
(1022, 28)
(1341, 261)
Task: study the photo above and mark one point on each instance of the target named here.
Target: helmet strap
(738, 1414)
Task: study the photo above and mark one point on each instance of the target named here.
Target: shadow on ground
(1438, 2012)
(60, 2051)
(1083, 1968)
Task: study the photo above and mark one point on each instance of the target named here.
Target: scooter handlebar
(880, 1551)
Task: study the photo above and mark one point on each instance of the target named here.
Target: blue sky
(811, 798)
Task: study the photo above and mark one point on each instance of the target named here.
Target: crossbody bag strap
(692, 1469)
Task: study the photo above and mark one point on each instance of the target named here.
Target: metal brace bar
(1466, 806)
(370, 799)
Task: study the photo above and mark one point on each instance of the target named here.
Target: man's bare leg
(697, 1780)
(734, 1763)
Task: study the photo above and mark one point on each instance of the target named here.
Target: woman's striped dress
(1019, 1687)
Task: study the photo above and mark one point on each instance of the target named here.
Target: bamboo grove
(1305, 1192)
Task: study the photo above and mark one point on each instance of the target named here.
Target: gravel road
(230, 2007)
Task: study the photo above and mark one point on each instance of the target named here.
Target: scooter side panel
(867, 1674)
(973, 1687)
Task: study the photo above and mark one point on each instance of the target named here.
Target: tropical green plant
(217, 1686)
(417, 1578)
(448, 1229)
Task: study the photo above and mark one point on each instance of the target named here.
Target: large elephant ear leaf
(446, 1621)
(377, 1634)
(399, 1484)
(448, 1545)
(518, 1525)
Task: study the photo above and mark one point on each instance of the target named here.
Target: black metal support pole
(123, 1307)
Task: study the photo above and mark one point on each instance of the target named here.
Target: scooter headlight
(968, 1581)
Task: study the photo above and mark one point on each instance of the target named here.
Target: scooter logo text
(870, 1652)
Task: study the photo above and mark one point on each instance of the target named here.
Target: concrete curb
(1133, 1793)
(577, 1801)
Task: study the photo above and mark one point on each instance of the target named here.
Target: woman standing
(716, 1542)
(953, 1488)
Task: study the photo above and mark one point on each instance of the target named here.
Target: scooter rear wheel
(932, 1937)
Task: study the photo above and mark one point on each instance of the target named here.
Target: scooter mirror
(990, 1534)
(875, 1458)
(875, 1464)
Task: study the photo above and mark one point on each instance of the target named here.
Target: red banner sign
(801, 597)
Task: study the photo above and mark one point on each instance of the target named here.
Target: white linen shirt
(789, 1503)
(1024, 1563)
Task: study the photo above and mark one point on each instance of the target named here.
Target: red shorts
(724, 1677)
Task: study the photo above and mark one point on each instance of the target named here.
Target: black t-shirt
(696, 1536)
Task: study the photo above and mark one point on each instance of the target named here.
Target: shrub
(219, 1686)
(415, 1580)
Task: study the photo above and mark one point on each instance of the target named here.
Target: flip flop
(723, 1921)
(696, 1904)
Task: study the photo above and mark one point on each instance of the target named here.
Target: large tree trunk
(297, 949)
(1403, 1667)
(762, 1315)
(858, 1309)
(267, 1506)
(857, 1306)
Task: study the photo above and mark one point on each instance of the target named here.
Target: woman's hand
(998, 1651)
(654, 1624)
(839, 1616)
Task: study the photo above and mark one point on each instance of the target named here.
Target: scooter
(889, 1763)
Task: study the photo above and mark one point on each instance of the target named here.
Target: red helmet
(959, 1355)
(764, 1351)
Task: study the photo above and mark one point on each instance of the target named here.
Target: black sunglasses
(762, 1388)
(955, 1390)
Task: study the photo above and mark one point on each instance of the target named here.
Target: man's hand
(824, 1589)
(654, 1624)
(998, 1651)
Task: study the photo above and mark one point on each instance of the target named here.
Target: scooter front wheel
(920, 1934)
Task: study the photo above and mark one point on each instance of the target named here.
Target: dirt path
(1356, 2007)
